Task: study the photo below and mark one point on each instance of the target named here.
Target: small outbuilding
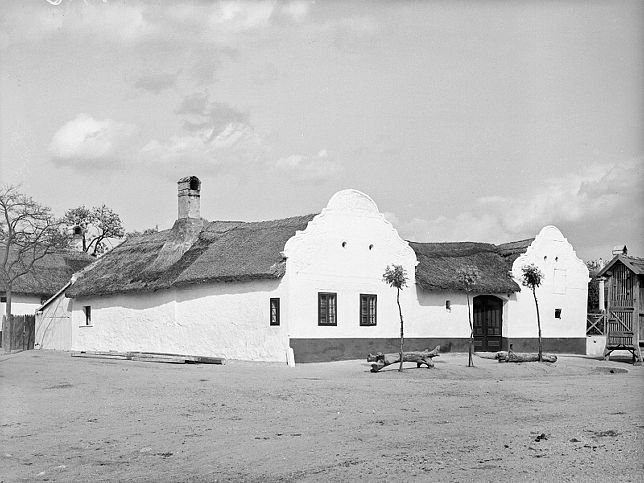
(624, 328)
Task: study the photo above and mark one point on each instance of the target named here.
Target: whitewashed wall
(565, 286)
(53, 325)
(22, 304)
(220, 320)
(430, 318)
(317, 261)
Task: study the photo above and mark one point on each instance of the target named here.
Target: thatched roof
(439, 265)
(50, 273)
(223, 251)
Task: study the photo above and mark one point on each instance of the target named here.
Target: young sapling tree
(396, 276)
(532, 277)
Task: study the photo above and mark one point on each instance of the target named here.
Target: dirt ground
(72, 419)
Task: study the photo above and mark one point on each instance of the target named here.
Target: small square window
(557, 313)
(327, 309)
(368, 304)
(87, 309)
(275, 311)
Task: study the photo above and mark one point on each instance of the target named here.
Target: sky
(463, 120)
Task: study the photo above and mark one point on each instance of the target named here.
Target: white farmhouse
(312, 286)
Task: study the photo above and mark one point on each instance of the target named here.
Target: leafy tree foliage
(396, 276)
(594, 266)
(532, 277)
(147, 231)
(28, 232)
(97, 226)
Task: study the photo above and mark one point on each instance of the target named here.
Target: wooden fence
(596, 324)
(18, 332)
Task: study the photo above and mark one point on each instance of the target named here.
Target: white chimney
(188, 197)
(620, 250)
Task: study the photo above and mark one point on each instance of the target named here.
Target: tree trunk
(8, 295)
(528, 357)
(402, 337)
(381, 360)
(536, 304)
(470, 363)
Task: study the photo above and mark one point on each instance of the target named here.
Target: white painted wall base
(595, 345)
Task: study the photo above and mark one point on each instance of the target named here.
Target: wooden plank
(166, 359)
(100, 356)
(190, 358)
(149, 357)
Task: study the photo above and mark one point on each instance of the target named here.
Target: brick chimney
(188, 197)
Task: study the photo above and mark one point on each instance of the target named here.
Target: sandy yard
(72, 419)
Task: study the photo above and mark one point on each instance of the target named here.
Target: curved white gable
(345, 250)
(352, 200)
(564, 286)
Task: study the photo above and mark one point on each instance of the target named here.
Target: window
(559, 284)
(275, 311)
(367, 309)
(557, 313)
(448, 305)
(3, 299)
(327, 309)
(88, 314)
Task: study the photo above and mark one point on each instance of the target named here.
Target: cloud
(113, 22)
(297, 11)
(215, 136)
(220, 22)
(210, 150)
(156, 83)
(583, 205)
(200, 113)
(307, 168)
(85, 141)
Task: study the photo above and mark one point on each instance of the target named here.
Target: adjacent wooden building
(624, 279)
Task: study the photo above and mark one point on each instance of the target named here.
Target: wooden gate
(488, 323)
(18, 332)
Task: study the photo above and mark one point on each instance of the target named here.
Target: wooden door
(488, 323)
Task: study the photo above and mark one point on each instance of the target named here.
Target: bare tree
(532, 278)
(396, 276)
(96, 226)
(28, 232)
(469, 275)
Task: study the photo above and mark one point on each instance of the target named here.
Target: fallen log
(488, 355)
(381, 360)
(528, 357)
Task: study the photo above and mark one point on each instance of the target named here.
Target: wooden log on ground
(487, 355)
(529, 357)
(381, 360)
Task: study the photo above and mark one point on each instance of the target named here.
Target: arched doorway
(488, 323)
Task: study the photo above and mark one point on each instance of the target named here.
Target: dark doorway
(488, 323)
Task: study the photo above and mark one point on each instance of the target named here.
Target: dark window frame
(87, 310)
(365, 319)
(330, 309)
(275, 302)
